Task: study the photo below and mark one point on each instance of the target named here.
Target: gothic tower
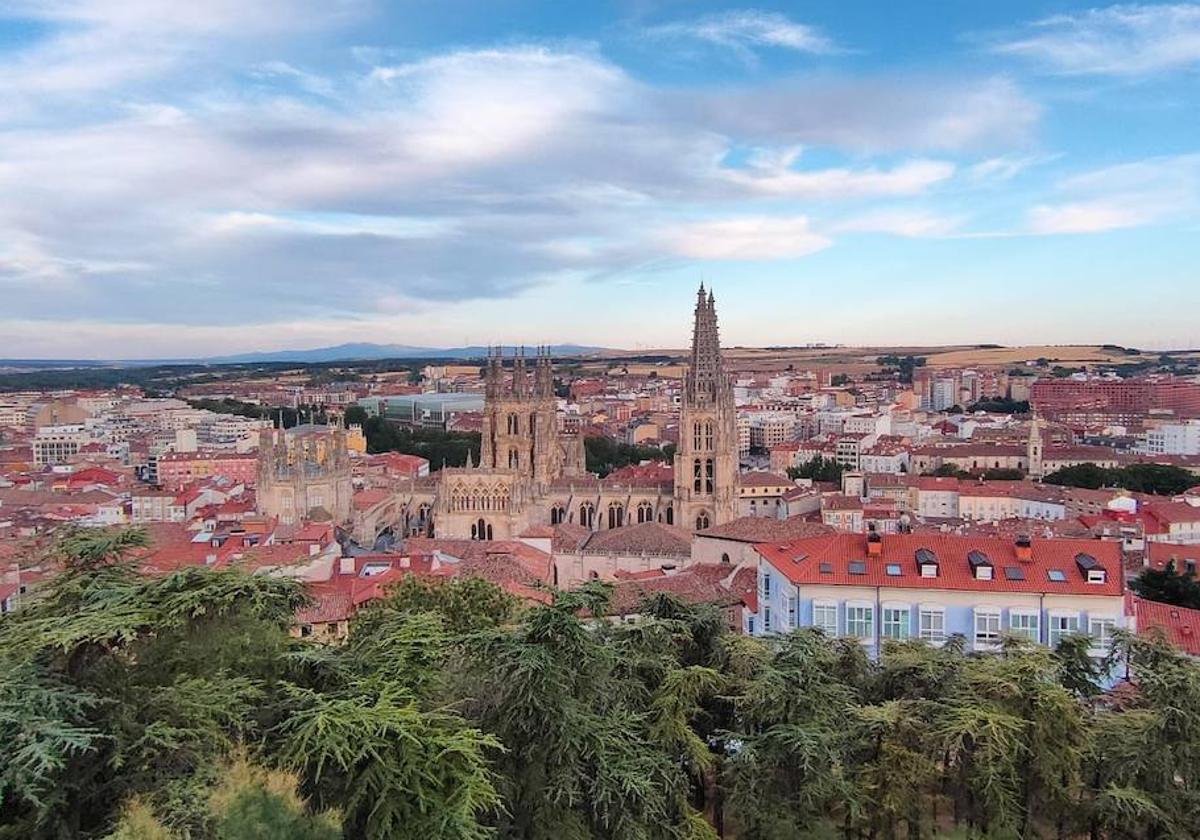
(520, 421)
(1034, 448)
(706, 466)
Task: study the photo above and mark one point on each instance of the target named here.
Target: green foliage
(603, 454)
(1001, 405)
(1169, 586)
(839, 379)
(291, 416)
(178, 708)
(437, 446)
(818, 469)
(903, 365)
(1159, 479)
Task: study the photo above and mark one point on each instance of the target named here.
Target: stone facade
(304, 473)
(706, 463)
(532, 474)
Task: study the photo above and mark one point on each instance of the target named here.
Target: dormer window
(927, 563)
(1090, 568)
(981, 566)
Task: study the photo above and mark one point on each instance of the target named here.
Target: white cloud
(746, 238)
(1083, 217)
(479, 105)
(1002, 168)
(782, 179)
(899, 222)
(871, 114)
(1150, 191)
(99, 45)
(745, 30)
(1122, 40)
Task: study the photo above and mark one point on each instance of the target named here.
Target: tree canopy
(1159, 479)
(179, 706)
(818, 468)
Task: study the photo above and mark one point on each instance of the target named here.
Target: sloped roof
(801, 562)
(757, 529)
(646, 538)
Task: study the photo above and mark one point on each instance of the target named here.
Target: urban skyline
(269, 176)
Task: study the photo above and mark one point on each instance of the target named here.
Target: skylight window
(893, 569)
(1014, 573)
(1057, 575)
(858, 567)
(826, 568)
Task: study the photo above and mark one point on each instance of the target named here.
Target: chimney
(1024, 548)
(874, 543)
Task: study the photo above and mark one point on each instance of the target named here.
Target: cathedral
(532, 474)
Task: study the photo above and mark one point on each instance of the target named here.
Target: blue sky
(222, 176)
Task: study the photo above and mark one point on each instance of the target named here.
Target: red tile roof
(800, 561)
(764, 479)
(757, 529)
(1179, 625)
(703, 583)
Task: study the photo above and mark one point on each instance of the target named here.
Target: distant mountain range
(355, 352)
(366, 352)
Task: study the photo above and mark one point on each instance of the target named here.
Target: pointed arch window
(616, 515)
(670, 516)
(514, 459)
(587, 515)
(708, 435)
(696, 435)
(702, 521)
(645, 512)
(708, 475)
(697, 476)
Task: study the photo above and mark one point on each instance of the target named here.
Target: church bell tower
(706, 466)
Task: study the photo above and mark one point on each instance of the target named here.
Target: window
(825, 618)
(702, 522)
(766, 585)
(893, 569)
(826, 568)
(750, 625)
(987, 627)
(933, 624)
(708, 475)
(1024, 624)
(857, 567)
(697, 479)
(1056, 575)
(1101, 631)
(791, 607)
(1060, 626)
(895, 623)
(860, 622)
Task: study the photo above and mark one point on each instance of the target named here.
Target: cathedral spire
(706, 378)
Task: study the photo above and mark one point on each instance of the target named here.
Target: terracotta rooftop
(1179, 625)
(841, 559)
(646, 538)
(764, 479)
(702, 583)
(757, 529)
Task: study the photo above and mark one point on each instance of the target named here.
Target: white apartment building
(1172, 439)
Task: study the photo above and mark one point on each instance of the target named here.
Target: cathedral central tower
(706, 467)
